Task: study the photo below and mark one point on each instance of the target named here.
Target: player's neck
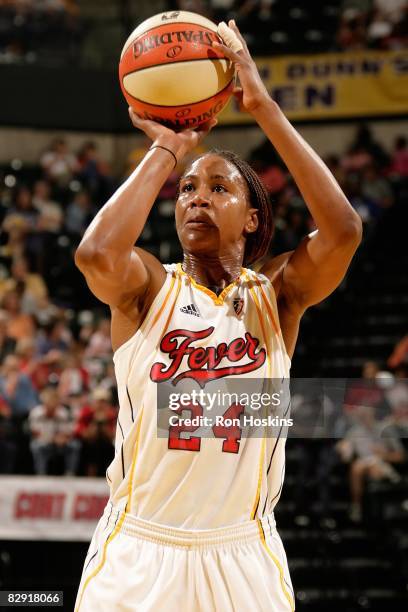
(215, 273)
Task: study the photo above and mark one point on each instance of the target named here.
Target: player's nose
(200, 200)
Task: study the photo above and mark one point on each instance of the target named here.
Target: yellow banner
(334, 85)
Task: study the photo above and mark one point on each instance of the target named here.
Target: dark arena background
(338, 68)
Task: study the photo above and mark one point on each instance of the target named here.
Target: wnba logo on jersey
(202, 361)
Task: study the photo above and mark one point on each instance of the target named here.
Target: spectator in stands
(364, 141)
(268, 165)
(392, 10)
(385, 15)
(79, 214)
(15, 229)
(380, 32)
(397, 397)
(16, 388)
(370, 456)
(50, 212)
(273, 178)
(55, 336)
(357, 158)
(398, 37)
(399, 162)
(24, 208)
(51, 429)
(7, 343)
(364, 391)
(95, 429)
(376, 189)
(20, 324)
(351, 35)
(93, 172)
(35, 27)
(363, 205)
(75, 378)
(41, 369)
(59, 164)
(100, 344)
(8, 447)
(396, 424)
(33, 290)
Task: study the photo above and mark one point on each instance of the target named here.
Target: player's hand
(180, 143)
(252, 94)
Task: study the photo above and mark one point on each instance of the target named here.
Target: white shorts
(134, 565)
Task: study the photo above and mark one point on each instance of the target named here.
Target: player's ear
(252, 221)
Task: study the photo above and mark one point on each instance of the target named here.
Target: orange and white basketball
(169, 71)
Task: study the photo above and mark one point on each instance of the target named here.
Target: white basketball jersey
(191, 334)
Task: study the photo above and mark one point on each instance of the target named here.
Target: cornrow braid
(257, 243)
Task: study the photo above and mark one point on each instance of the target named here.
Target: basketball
(169, 71)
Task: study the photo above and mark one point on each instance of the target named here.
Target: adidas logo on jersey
(190, 309)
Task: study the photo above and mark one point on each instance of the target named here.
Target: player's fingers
(204, 128)
(234, 57)
(234, 27)
(146, 125)
(202, 131)
(137, 122)
(229, 37)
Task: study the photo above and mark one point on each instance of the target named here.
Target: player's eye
(219, 188)
(187, 187)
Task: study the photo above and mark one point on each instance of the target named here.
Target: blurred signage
(49, 508)
(333, 85)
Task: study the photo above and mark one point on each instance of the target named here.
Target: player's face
(213, 212)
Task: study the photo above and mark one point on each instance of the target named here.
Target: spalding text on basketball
(203, 362)
(203, 37)
(184, 121)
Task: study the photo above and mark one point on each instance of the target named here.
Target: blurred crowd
(378, 24)
(371, 177)
(57, 388)
(362, 423)
(272, 26)
(40, 30)
(53, 31)
(58, 401)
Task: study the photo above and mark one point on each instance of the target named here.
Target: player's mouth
(199, 222)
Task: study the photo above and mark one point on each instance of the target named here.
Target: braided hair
(257, 243)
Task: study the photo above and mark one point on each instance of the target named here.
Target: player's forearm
(119, 223)
(334, 216)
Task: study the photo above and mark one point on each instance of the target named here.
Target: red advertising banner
(50, 508)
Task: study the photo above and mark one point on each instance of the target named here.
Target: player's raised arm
(115, 271)
(319, 263)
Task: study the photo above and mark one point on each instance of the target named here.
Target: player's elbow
(350, 232)
(84, 256)
(89, 258)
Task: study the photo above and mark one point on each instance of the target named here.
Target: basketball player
(189, 525)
